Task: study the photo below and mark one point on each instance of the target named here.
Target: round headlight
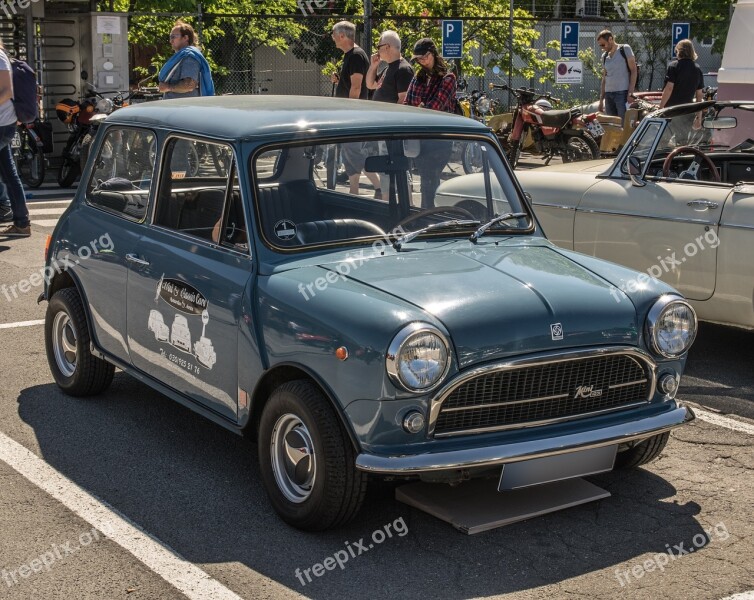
(418, 358)
(671, 326)
(483, 105)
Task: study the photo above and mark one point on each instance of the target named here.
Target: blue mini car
(306, 270)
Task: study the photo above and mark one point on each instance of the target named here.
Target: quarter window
(122, 172)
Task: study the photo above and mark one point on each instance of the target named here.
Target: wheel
(307, 461)
(514, 153)
(579, 146)
(75, 369)
(68, 172)
(642, 453)
(472, 158)
(30, 161)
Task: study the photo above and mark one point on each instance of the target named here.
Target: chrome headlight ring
(418, 358)
(676, 312)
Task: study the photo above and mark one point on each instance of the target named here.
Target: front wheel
(579, 146)
(306, 459)
(30, 161)
(472, 158)
(642, 452)
(75, 369)
(68, 172)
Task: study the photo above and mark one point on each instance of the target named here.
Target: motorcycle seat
(556, 118)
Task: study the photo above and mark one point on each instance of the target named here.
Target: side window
(643, 146)
(122, 172)
(199, 193)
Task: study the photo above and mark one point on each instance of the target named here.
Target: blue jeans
(10, 177)
(4, 200)
(615, 103)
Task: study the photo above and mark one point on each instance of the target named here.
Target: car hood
(498, 301)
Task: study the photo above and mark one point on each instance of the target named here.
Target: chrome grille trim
(643, 359)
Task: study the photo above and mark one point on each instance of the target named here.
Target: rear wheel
(68, 172)
(306, 459)
(67, 341)
(30, 160)
(580, 146)
(472, 158)
(642, 452)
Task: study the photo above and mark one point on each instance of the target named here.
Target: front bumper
(491, 456)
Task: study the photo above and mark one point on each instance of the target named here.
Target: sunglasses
(175, 35)
(381, 46)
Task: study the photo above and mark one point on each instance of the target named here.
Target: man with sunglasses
(187, 72)
(392, 84)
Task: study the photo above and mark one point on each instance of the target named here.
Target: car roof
(240, 117)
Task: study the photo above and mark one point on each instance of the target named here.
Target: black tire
(514, 153)
(30, 161)
(472, 158)
(642, 453)
(68, 172)
(330, 491)
(75, 369)
(579, 146)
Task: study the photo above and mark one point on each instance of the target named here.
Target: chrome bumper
(491, 456)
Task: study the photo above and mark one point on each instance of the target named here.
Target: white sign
(109, 25)
(569, 71)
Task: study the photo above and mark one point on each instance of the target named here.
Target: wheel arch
(67, 279)
(277, 376)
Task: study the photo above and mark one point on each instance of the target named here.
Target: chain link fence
(286, 54)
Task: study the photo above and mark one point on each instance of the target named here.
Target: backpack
(24, 91)
(623, 53)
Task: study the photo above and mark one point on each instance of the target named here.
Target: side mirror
(634, 170)
(84, 75)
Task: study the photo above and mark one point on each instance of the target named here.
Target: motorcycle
(480, 105)
(77, 116)
(534, 126)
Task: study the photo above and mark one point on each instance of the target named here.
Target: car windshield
(690, 143)
(361, 189)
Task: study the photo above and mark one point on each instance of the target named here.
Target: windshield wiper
(442, 225)
(504, 217)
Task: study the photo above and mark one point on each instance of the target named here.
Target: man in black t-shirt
(391, 85)
(352, 84)
(684, 82)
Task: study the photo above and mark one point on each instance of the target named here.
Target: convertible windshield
(336, 193)
(714, 144)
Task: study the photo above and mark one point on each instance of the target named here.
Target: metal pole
(510, 52)
(368, 27)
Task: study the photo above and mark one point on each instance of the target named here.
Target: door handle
(701, 205)
(135, 259)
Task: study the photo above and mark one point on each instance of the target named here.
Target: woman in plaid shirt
(432, 87)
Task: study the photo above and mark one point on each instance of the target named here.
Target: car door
(189, 276)
(667, 228)
(117, 196)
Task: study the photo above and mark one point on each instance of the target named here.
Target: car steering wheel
(699, 156)
(432, 211)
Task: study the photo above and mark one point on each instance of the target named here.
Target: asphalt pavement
(129, 495)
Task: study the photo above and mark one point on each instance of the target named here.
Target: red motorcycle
(537, 129)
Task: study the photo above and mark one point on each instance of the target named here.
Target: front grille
(553, 391)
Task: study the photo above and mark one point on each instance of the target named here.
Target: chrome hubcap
(293, 461)
(64, 344)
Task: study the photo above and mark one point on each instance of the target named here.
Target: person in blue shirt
(187, 72)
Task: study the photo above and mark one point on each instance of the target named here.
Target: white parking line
(721, 421)
(46, 211)
(45, 222)
(165, 562)
(741, 596)
(21, 324)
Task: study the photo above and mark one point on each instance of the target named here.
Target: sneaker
(14, 231)
(6, 214)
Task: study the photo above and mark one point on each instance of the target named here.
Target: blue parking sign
(569, 39)
(681, 31)
(452, 39)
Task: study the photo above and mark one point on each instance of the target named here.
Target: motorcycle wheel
(30, 162)
(579, 146)
(472, 158)
(68, 172)
(514, 153)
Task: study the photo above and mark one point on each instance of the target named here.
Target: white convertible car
(677, 203)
